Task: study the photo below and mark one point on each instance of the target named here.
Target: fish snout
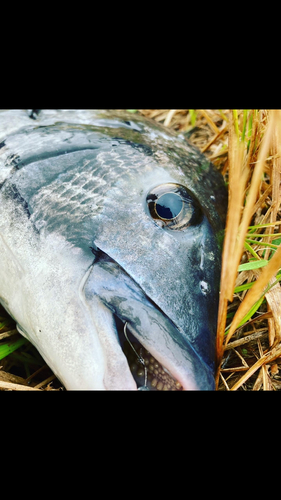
(138, 338)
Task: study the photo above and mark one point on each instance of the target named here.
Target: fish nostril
(96, 251)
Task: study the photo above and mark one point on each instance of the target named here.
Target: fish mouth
(143, 348)
(147, 371)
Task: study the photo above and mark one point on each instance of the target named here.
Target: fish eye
(173, 207)
(168, 206)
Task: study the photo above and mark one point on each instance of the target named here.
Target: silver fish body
(101, 217)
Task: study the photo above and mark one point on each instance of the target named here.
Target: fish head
(112, 236)
(160, 238)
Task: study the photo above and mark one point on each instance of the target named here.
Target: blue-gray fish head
(105, 222)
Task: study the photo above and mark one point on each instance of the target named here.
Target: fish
(111, 230)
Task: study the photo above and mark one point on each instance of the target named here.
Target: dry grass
(245, 146)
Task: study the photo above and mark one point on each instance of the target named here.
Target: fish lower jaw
(148, 372)
(158, 377)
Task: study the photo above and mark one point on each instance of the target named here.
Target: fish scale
(81, 195)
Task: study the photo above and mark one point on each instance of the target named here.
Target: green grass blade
(250, 126)
(262, 244)
(193, 116)
(257, 304)
(251, 250)
(261, 235)
(252, 311)
(223, 116)
(245, 116)
(262, 226)
(9, 347)
(241, 288)
(254, 264)
(4, 323)
(235, 119)
(249, 314)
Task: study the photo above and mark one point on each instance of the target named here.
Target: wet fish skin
(77, 181)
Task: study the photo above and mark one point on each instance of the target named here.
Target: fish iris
(169, 205)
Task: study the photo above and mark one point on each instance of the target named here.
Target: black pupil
(169, 205)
